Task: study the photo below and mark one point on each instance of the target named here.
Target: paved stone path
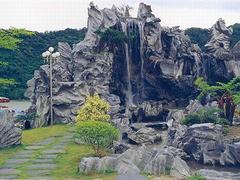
(36, 161)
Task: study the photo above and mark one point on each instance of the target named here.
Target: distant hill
(20, 55)
(201, 36)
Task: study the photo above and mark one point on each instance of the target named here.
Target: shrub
(99, 135)
(94, 109)
(232, 88)
(196, 177)
(210, 115)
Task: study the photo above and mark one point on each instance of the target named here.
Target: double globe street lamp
(50, 57)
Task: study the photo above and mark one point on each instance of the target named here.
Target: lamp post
(50, 57)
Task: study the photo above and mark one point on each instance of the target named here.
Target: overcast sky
(43, 15)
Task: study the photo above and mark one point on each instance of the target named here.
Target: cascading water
(141, 34)
(129, 96)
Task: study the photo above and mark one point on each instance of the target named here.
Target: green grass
(33, 136)
(6, 153)
(39, 134)
(68, 164)
(196, 177)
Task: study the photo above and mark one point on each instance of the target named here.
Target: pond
(20, 105)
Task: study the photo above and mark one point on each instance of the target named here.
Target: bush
(210, 115)
(196, 177)
(99, 135)
(94, 109)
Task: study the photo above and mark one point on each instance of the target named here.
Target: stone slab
(58, 147)
(35, 147)
(38, 172)
(48, 156)
(130, 176)
(17, 161)
(54, 151)
(42, 166)
(4, 177)
(40, 178)
(23, 156)
(43, 161)
(9, 171)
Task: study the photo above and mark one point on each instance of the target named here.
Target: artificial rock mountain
(141, 78)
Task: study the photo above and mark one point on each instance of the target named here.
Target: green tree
(198, 36)
(99, 135)
(236, 34)
(23, 55)
(93, 127)
(10, 39)
(94, 109)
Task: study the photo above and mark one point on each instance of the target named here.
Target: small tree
(93, 127)
(99, 135)
(94, 109)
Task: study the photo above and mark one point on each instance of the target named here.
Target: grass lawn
(68, 164)
(39, 134)
(32, 136)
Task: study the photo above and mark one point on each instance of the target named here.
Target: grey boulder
(9, 134)
(149, 160)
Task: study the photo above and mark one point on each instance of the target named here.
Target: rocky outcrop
(219, 44)
(153, 161)
(145, 136)
(152, 69)
(206, 144)
(9, 134)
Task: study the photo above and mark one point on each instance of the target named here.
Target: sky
(48, 15)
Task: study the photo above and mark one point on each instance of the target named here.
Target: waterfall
(129, 95)
(141, 34)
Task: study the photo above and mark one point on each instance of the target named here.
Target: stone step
(130, 176)
(9, 171)
(39, 172)
(35, 147)
(42, 166)
(48, 156)
(54, 151)
(49, 161)
(4, 177)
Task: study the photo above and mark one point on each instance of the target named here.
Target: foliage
(10, 39)
(198, 36)
(7, 82)
(27, 117)
(94, 109)
(2, 63)
(204, 115)
(26, 57)
(196, 177)
(236, 34)
(99, 135)
(112, 37)
(232, 87)
(202, 36)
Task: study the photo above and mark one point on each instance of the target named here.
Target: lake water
(16, 104)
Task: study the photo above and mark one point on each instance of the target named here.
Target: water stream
(129, 95)
(141, 34)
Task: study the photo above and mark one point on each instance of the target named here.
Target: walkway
(36, 161)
